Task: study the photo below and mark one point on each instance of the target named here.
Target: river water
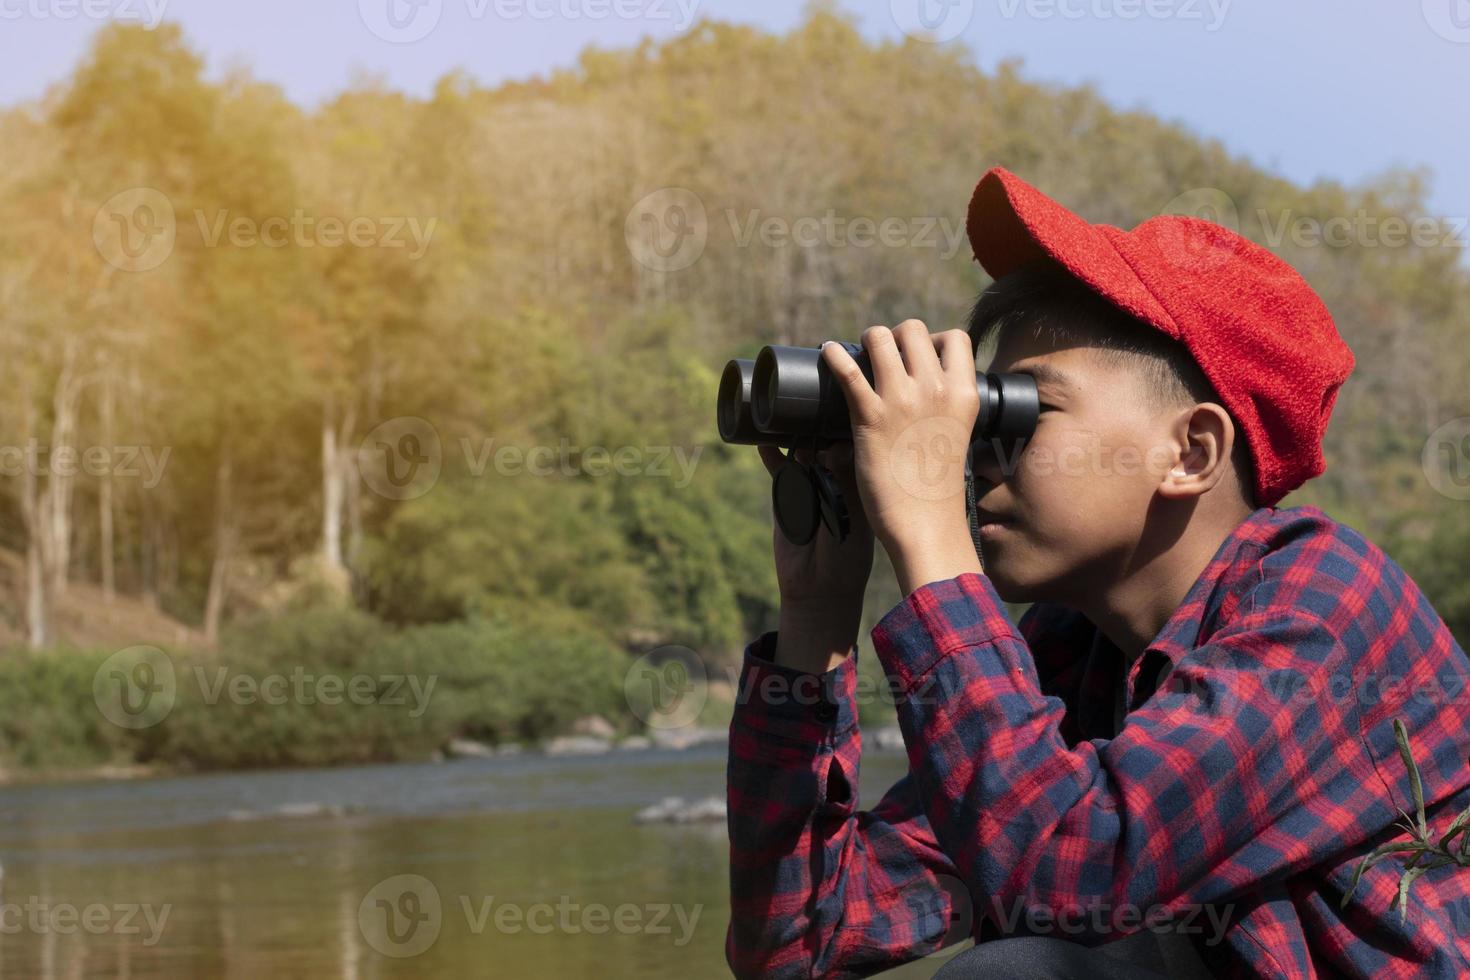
(516, 866)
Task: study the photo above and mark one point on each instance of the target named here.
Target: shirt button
(826, 710)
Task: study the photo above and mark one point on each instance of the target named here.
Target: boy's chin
(1003, 585)
(1011, 590)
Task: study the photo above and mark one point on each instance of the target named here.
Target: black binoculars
(788, 397)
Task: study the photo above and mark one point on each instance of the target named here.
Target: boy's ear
(1202, 436)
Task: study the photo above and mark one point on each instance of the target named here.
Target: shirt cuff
(936, 620)
(779, 700)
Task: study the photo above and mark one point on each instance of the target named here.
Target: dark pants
(1041, 958)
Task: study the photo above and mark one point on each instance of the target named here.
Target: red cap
(1260, 334)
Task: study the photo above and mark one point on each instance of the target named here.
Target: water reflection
(535, 865)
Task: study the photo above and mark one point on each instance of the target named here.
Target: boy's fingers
(772, 457)
(838, 456)
(885, 358)
(863, 402)
(956, 354)
(841, 459)
(918, 346)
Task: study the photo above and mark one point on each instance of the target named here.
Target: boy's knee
(1016, 958)
(1035, 958)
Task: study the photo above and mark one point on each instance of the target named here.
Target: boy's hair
(1043, 295)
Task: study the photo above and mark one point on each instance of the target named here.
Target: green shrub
(48, 717)
(498, 681)
(322, 687)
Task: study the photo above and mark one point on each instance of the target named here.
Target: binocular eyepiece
(787, 396)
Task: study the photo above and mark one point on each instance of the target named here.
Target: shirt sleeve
(819, 888)
(1212, 786)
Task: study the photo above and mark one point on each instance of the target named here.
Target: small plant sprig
(1421, 848)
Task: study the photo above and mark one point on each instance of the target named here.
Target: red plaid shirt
(1232, 806)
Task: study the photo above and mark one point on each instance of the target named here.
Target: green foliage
(323, 687)
(482, 678)
(498, 681)
(1421, 847)
(1432, 548)
(327, 637)
(47, 714)
(469, 546)
(528, 321)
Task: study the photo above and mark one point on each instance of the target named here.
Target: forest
(427, 385)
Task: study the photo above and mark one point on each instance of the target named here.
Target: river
(514, 866)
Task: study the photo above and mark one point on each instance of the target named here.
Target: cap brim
(1011, 223)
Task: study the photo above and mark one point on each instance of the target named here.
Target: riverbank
(319, 687)
(885, 739)
(330, 687)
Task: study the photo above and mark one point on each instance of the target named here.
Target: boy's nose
(991, 463)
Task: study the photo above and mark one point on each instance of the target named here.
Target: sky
(1308, 89)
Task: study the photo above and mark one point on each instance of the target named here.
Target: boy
(1175, 762)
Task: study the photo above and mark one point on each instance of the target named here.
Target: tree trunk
(354, 511)
(55, 500)
(104, 498)
(38, 626)
(148, 549)
(224, 545)
(339, 497)
(332, 493)
(38, 620)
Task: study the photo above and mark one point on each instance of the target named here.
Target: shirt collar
(1218, 588)
(1210, 602)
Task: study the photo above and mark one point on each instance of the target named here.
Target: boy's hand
(822, 582)
(911, 432)
(825, 572)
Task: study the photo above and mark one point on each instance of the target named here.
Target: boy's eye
(1045, 407)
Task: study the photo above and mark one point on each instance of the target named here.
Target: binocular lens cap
(794, 500)
(805, 497)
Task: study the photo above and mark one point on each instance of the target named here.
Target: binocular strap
(971, 509)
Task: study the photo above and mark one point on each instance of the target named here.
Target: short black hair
(1043, 295)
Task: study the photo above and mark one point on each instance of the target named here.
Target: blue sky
(1338, 89)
